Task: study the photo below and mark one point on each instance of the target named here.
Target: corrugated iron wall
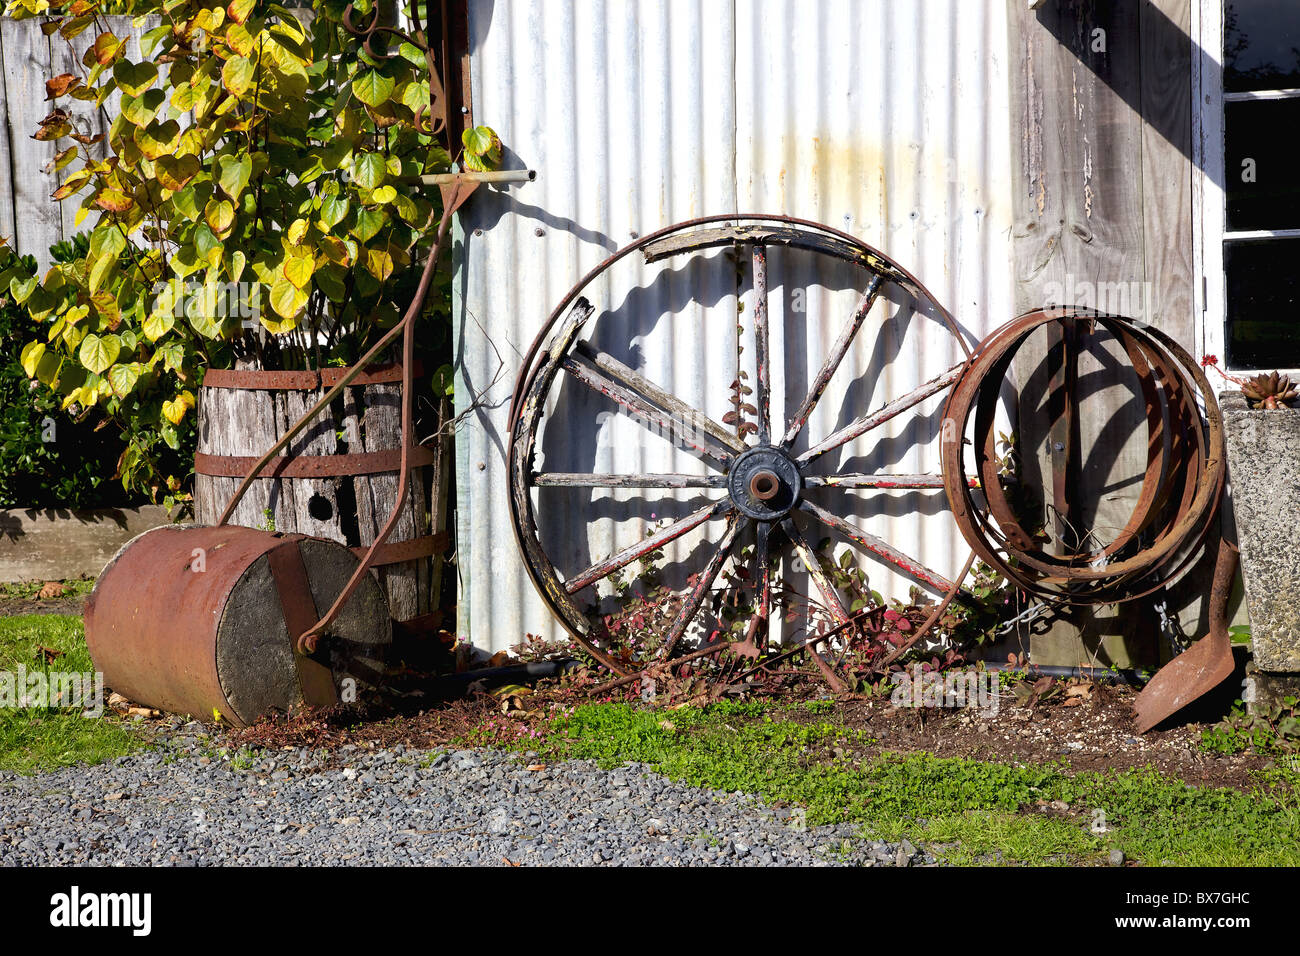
(885, 119)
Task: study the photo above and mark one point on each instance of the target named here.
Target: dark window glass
(1261, 45)
(1263, 131)
(1263, 294)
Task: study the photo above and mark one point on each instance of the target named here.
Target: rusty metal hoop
(762, 481)
(1180, 486)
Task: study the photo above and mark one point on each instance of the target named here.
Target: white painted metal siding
(884, 118)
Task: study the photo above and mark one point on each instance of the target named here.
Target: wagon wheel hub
(765, 483)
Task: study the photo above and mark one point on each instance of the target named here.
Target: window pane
(1261, 45)
(1263, 299)
(1261, 173)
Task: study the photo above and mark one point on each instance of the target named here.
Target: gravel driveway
(177, 806)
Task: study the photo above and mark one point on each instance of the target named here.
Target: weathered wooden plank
(6, 165)
(26, 67)
(374, 417)
(1166, 52)
(310, 505)
(1079, 239)
(239, 422)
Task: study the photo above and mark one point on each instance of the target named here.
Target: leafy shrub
(255, 205)
(48, 458)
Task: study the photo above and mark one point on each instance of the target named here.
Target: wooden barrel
(337, 479)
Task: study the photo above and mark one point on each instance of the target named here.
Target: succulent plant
(1268, 390)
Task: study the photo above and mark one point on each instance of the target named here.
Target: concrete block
(1264, 471)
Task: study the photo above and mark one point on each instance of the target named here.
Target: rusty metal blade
(1200, 668)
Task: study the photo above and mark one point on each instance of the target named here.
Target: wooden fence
(29, 218)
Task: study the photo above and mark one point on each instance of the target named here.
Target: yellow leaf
(175, 409)
(237, 75)
(298, 270)
(220, 215)
(31, 357)
(287, 300)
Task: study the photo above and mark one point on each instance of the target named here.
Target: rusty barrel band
(412, 549)
(313, 466)
(307, 380)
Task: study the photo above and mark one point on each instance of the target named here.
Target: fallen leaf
(537, 766)
(52, 589)
(48, 653)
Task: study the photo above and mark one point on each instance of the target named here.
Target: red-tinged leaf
(59, 85)
(105, 48)
(114, 200)
(52, 131)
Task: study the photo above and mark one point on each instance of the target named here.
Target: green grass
(981, 811)
(34, 739)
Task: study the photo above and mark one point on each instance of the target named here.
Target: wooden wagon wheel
(756, 476)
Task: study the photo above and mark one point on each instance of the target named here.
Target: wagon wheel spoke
(695, 598)
(833, 360)
(881, 549)
(565, 479)
(762, 358)
(829, 595)
(657, 408)
(760, 623)
(863, 424)
(603, 569)
(885, 482)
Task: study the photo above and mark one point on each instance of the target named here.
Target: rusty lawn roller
(196, 620)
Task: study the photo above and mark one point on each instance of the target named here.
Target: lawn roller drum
(202, 620)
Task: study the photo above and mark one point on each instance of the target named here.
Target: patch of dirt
(1095, 735)
(73, 604)
(45, 597)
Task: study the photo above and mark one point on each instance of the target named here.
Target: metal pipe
(491, 176)
(513, 673)
(1111, 675)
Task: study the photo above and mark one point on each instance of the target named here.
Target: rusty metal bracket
(299, 608)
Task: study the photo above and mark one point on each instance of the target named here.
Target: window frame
(1209, 197)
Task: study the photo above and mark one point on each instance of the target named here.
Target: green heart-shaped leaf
(141, 110)
(99, 352)
(369, 170)
(134, 78)
(372, 88)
